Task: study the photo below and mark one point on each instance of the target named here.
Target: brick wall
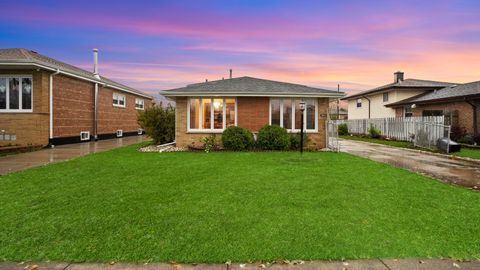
(73, 106)
(465, 112)
(111, 118)
(30, 128)
(252, 114)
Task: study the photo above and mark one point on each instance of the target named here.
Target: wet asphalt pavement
(444, 168)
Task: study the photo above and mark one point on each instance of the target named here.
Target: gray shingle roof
(407, 83)
(453, 92)
(248, 86)
(24, 56)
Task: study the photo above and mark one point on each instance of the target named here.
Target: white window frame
(211, 129)
(358, 101)
(405, 112)
(140, 131)
(119, 95)
(85, 132)
(119, 133)
(19, 77)
(293, 129)
(140, 101)
(387, 95)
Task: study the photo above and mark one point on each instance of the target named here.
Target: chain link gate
(332, 136)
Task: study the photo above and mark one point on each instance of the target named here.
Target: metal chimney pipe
(95, 63)
(230, 73)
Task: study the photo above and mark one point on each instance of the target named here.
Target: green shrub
(273, 137)
(210, 143)
(237, 139)
(467, 139)
(295, 140)
(342, 129)
(158, 123)
(374, 132)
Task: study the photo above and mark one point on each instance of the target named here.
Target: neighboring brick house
(210, 107)
(44, 101)
(373, 103)
(460, 104)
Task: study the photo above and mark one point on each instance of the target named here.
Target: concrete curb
(375, 264)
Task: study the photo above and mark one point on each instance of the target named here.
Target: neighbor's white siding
(377, 106)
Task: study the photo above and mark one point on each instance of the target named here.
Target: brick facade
(462, 109)
(252, 113)
(73, 110)
(30, 128)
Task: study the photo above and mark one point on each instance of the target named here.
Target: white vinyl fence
(422, 131)
(332, 136)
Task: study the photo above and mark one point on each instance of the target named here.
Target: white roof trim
(75, 76)
(242, 94)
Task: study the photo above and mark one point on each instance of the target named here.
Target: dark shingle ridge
(249, 85)
(451, 92)
(25, 56)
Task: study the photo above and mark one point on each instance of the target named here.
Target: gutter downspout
(50, 106)
(95, 112)
(368, 106)
(474, 107)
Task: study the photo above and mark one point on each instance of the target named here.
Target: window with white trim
(119, 100)
(385, 97)
(139, 104)
(286, 113)
(211, 114)
(407, 111)
(119, 133)
(16, 93)
(359, 103)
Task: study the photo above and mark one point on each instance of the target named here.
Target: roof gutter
(50, 104)
(369, 103)
(75, 76)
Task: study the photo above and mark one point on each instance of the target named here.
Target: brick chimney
(398, 76)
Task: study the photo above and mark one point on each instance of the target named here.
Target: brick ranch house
(460, 104)
(210, 107)
(374, 103)
(44, 101)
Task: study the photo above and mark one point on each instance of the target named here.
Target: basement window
(119, 100)
(139, 104)
(85, 136)
(119, 133)
(140, 131)
(8, 137)
(16, 93)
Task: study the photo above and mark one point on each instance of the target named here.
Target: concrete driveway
(18, 162)
(442, 167)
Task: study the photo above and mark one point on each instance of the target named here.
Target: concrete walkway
(18, 162)
(321, 265)
(457, 171)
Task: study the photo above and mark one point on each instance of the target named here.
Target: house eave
(34, 64)
(258, 94)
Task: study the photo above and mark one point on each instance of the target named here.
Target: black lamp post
(302, 109)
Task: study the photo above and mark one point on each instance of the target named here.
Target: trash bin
(444, 143)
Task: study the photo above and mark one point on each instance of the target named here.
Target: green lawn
(464, 152)
(123, 205)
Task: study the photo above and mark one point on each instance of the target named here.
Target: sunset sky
(155, 45)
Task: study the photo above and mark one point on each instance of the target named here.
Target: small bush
(457, 133)
(237, 139)
(210, 143)
(273, 137)
(295, 140)
(476, 139)
(467, 139)
(342, 129)
(374, 132)
(158, 123)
